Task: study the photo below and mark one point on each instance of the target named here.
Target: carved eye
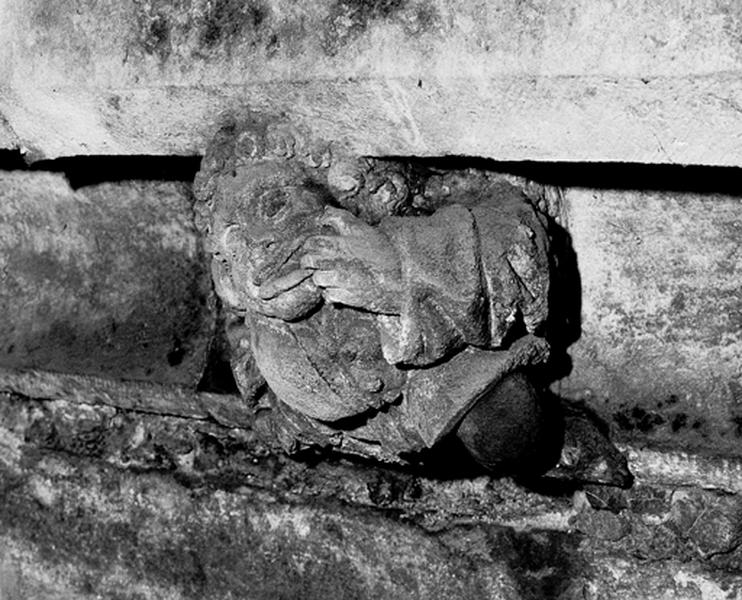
(274, 203)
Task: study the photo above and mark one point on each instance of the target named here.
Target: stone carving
(385, 305)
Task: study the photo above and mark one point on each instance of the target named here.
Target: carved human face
(261, 221)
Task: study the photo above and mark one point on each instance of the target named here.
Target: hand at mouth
(283, 283)
(276, 263)
(292, 297)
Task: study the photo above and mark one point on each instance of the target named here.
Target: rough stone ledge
(99, 501)
(682, 469)
(651, 466)
(140, 426)
(227, 410)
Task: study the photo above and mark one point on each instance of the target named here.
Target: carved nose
(259, 246)
(267, 244)
(262, 255)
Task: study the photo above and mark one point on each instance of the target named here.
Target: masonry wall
(621, 119)
(110, 280)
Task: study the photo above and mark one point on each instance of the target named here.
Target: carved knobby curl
(244, 141)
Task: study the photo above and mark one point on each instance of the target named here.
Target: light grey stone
(571, 81)
(107, 280)
(661, 348)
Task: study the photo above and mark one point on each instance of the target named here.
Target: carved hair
(370, 188)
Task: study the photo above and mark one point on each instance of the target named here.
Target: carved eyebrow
(224, 236)
(271, 204)
(275, 204)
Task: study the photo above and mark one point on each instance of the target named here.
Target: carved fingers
(343, 286)
(332, 279)
(292, 304)
(284, 283)
(355, 286)
(358, 267)
(323, 252)
(341, 281)
(342, 221)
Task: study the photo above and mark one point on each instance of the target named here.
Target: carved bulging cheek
(240, 254)
(232, 268)
(243, 274)
(223, 282)
(233, 283)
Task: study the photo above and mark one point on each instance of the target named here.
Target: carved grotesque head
(377, 336)
(261, 196)
(260, 192)
(261, 217)
(262, 186)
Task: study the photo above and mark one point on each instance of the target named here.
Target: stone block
(661, 343)
(106, 280)
(579, 80)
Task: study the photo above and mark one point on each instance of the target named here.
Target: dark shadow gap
(82, 171)
(700, 179)
(217, 376)
(12, 160)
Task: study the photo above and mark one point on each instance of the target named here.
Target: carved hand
(358, 267)
(289, 297)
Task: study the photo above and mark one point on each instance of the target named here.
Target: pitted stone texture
(115, 503)
(109, 534)
(661, 343)
(569, 81)
(173, 507)
(107, 280)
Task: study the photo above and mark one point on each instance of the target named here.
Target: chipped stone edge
(137, 396)
(683, 469)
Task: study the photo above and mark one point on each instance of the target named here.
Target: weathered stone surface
(147, 537)
(617, 579)
(199, 451)
(661, 344)
(99, 502)
(259, 526)
(575, 80)
(137, 396)
(107, 280)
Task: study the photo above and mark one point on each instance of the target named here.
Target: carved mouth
(273, 266)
